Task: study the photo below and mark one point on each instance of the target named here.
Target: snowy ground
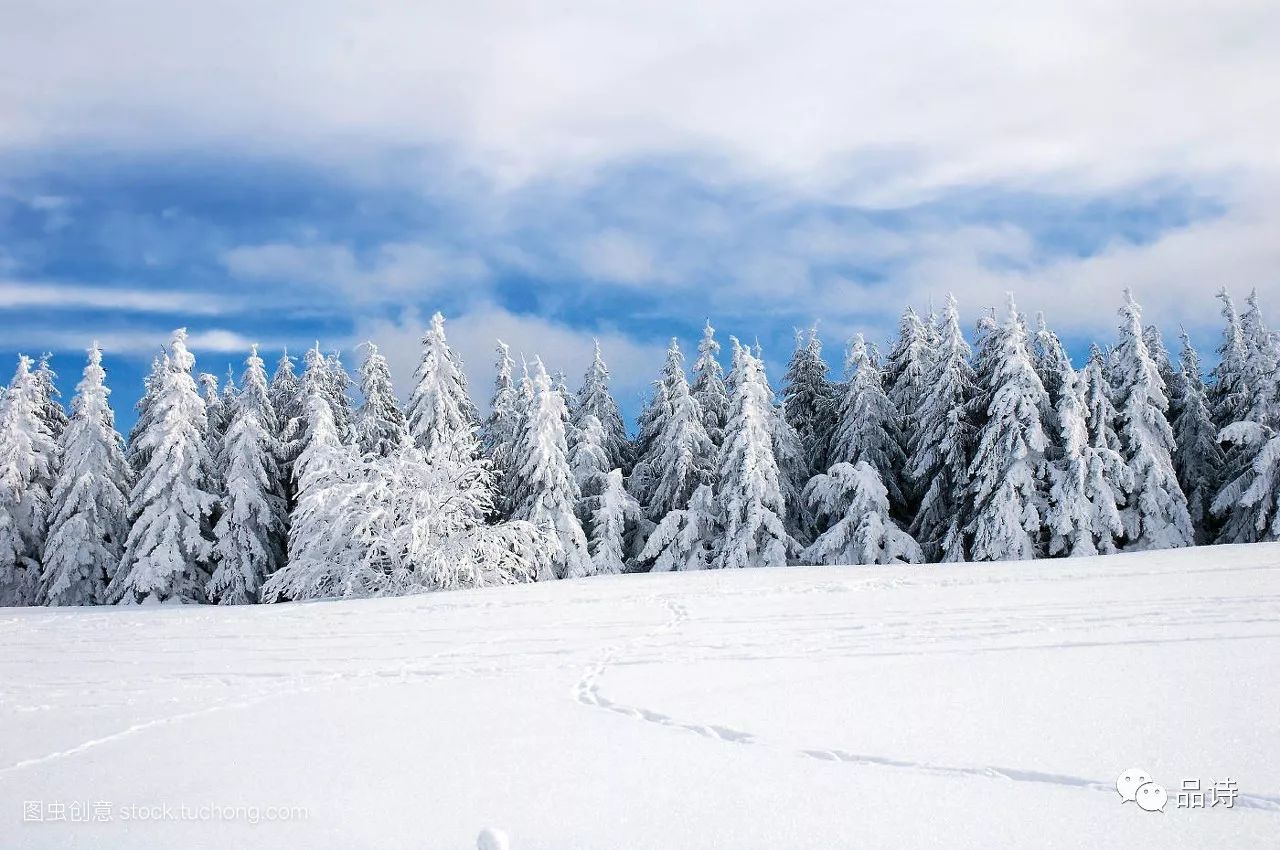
(967, 706)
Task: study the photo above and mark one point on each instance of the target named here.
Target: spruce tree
(339, 397)
(441, 416)
(90, 513)
(249, 535)
(809, 401)
(617, 525)
(942, 443)
(868, 425)
(285, 394)
(589, 463)
(28, 466)
(685, 539)
(708, 386)
(547, 496)
(595, 400)
(906, 377)
(749, 497)
(1156, 513)
(380, 423)
(55, 418)
(851, 502)
(1109, 479)
(502, 428)
(168, 549)
(135, 451)
(1005, 505)
(1198, 459)
(681, 456)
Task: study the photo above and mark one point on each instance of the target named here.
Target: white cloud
(391, 271)
(924, 93)
(204, 341)
(474, 334)
(19, 294)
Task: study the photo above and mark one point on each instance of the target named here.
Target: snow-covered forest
(310, 482)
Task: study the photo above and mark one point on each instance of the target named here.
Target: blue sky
(574, 174)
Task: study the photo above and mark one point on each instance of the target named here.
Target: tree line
(280, 488)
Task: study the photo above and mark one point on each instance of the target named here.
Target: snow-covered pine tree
(28, 466)
(55, 418)
(1005, 506)
(285, 394)
(1198, 459)
(810, 401)
(1109, 479)
(1242, 504)
(135, 451)
(681, 456)
(942, 443)
(168, 549)
(1172, 377)
(851, 502)
(708, 386)
(595, 400)
(406, 523)
(249, 535)
(216, 416)
(547, 495)
(617, 525)
(380, 423)
(1083, 517)
(440, 413)
(793, 466)
(502, 428)
(653, 420)
(1230, 395)
(907, 372)
(1156, 513)
(868, 427)
(684, 539)
(339, 385)
(318, 564)
(90, 513)
(749, 497)
(589, 463)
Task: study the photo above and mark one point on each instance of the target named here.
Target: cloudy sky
(552, 172)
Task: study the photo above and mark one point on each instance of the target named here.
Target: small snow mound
(492, 839)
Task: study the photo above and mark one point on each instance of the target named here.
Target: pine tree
(648, 448)
(285, 395)
(708, 386)
(55, 418)
(852, 503)
(1006, 505)
(1109, 479)
(589, 463)
(905, 378)
(380, 423)
(502, 428)
(90, 502)
(617, 525)
(28, 465)
(809, 401)
(681, 456)
(1198, 459)
(595, 400)
(339, 396)
(440, 413)
(168, 549)
(1242, 503)
(1156, 514)
(749, 497)
(942, 443)
(1231, 397)
(868, 425)
(249, 535)
(547, 494)
(684, 539)
(135, 451)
